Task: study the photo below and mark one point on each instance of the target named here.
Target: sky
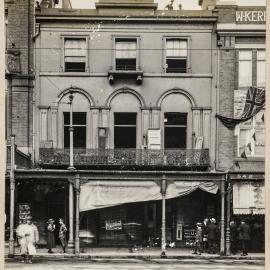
(186, 4)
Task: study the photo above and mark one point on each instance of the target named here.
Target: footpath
(145, 254)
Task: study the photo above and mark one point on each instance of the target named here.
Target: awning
(248, 198)
(101, 194)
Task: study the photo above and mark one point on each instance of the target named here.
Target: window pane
(124, 137)
(75, 47)
(245, 73)
(79, 137)
(79, 118)
(126, 49)
(176, 48)
(245, 55)
(75, 66)
(175, 137)
(261, 73)
(175, 118)
(125, 119)
(176, 65)
(244, 139)
(260, 142)
(125, 64)
(261, 55)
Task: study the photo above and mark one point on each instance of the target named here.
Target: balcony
(183, 158)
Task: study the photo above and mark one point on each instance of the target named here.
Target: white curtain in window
(75, 50)
(176, 48)
(126, 49)
(261, 68)
(245, 68)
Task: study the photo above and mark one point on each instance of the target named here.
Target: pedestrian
(21, 232)
(130, 238)
(205, 235)
(50, 234)
(27, 234)
(198, 239)
(233, 237)
(244, 236)
(212, 236)
(62, 234)
(32, 239)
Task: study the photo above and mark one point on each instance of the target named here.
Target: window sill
(66, 74)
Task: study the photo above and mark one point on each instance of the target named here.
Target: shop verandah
(99, 207)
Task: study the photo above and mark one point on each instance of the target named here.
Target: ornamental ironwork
(125, 157)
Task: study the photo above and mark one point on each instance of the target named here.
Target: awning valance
(101, 194)
(248, 198)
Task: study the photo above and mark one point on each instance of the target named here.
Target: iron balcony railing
(139, 157)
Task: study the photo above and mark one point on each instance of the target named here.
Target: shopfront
(113, 209)
(249, 205)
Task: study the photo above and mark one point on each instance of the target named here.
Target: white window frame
(62, 60)
(251, 128)
(127, 37)
(261, 60)
(245, 60)
(188, 64)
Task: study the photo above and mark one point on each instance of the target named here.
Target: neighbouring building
(241, 151)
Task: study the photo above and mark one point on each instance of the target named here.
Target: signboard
(154, 139)
(188, 233)
(24, 211)
(113, 225)
(250, 16)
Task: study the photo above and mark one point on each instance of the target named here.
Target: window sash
(255, 126)
(245, 68)
(126, 49)
(176, 48)
(75, 49)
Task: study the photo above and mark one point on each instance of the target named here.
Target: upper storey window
(245, 68)
(126, 54)
(176, 55)
(261, 68)
(75, 54)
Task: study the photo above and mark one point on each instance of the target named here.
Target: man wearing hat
(50, 234)
(198, 239)
(212, 236)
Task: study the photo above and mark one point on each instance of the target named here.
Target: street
(135, 264)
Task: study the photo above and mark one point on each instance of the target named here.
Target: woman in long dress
(51, 237)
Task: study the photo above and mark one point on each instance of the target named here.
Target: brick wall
(226, 97)
(20, 18)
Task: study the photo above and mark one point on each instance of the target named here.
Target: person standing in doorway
(50, 233)
(212, 236)
(244, 236)
(205, 235)
(62, 234)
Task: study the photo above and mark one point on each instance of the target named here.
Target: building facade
(125, 137)
(241, 39)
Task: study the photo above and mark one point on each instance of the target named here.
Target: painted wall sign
(251, 16)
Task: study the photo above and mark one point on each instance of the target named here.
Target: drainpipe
(217, 110)
(229, 190)
(163, 226)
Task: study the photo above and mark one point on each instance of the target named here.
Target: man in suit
(233, 237)
(244, 236)
(212, 236)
